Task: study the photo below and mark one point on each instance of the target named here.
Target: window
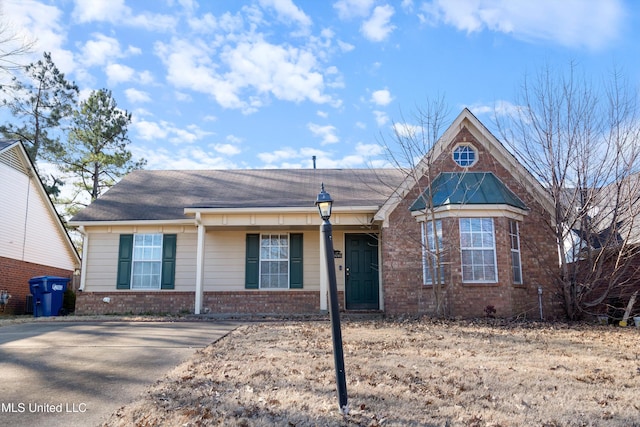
(274, 261)
(516, 265)
(477, 246)
(432, 252)
(147, 261)
(464, 155)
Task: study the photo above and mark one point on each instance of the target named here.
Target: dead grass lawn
(403, 373)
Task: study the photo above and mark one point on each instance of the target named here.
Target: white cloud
(288, 73)
(406, 130)
(226, 23)
(100, 50)
(288, 157)
(150, 131)
(250, 71)
(327, 133)
(145, 77)
(116, 12)
(378, 27)
(499, 108)
(381, 118)
(227, 149)
(574, 23)
(381, 97)
(287, 11)
(407, 6)
(285, 153)
(362, 156)
(99, 10)
(188, 158)
(135, 96)
(118, 73)
(345, 47)
(348, 9)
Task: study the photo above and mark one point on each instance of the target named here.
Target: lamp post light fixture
(324, 203)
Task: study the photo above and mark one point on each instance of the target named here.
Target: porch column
(199, 265)
(324, 278)
(83, 261)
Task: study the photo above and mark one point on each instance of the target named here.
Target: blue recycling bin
(48, 294)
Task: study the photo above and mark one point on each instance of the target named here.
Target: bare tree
(581, 141)
(12, 47)
(410, 150)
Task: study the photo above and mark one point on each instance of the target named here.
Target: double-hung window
(147, 261)
(516, 265)
(274, 261)
(432, 265)
(478, 250)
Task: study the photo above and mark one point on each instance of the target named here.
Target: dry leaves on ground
(403, 373)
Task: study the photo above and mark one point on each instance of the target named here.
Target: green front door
(361, 272)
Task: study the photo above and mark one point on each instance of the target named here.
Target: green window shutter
(168, 261)
(252, 266)
(125, 254)
(295, 261)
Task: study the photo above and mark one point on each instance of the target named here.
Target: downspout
(199, 265)
(540, 301)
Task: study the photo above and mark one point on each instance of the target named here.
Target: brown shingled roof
(164, 194)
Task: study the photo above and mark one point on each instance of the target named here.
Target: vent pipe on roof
(314, 161)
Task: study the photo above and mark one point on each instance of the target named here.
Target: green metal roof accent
(467, 188)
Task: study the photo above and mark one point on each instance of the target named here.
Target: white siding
(30, 231)
(102, 257)
(224, 265)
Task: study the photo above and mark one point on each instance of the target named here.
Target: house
(33, 240)
(248, 241)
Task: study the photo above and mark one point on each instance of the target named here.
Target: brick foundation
(134, 302)
(262, 302)
(168, 302)
(14, 278)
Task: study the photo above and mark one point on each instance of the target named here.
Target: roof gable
(490, 144)
(42, 213)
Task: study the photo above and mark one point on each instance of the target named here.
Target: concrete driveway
(72, 373)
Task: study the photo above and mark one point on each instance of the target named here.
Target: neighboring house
(248, 241)
(604, 249)
(33, 240)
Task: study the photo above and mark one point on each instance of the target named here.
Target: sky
(228, 84)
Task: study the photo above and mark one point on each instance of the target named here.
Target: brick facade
(402, 260)
(14, 278)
